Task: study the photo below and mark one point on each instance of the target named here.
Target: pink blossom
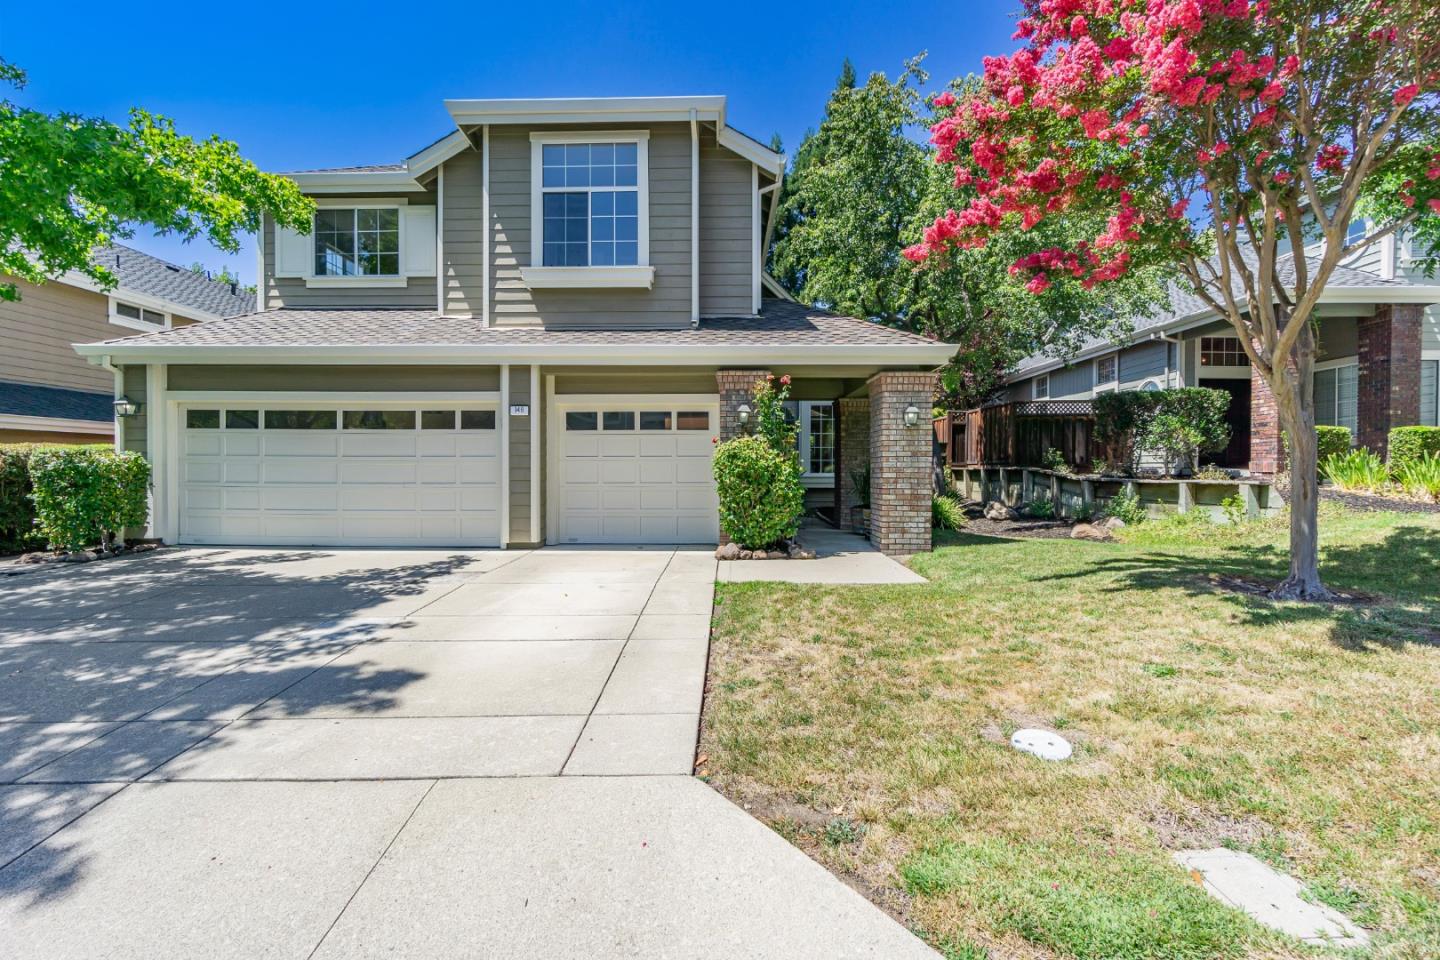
(1433, 204)
(1433, 173)
(946, 99)
(1405, 94)
(1038, 283)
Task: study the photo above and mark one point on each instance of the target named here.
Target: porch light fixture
(742, 412)
(125, 407)
(912, 415)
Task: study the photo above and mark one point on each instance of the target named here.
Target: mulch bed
(1023, 528)
(1371, 502)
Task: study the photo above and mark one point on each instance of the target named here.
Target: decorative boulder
(995, 510)
(1088, 531)
(1112, 523)
(729, 551)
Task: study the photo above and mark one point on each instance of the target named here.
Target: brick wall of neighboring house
(1388, 354)
(1267, 450)
(900, 462)
(735, 387)
(852, 454)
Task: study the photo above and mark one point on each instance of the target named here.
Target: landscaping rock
(729, 551)
(776, 555)
(36, 558)
(995, 510)
(1088, 531)
(746, 555)
(1112, 523)
(79, 556)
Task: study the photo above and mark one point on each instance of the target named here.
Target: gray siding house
(532, 331)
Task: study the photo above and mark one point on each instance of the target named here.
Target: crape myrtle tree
(1214, 136)
(69, 184)
(864, 185)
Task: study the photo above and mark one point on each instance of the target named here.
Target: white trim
(538, 141)
(552, 461)
(503, 416)
(1388, 256)
(584, 110)
(1035, 387)
(535, 413)
(437, 153)
(624, 401)
(382, 280)
(802, 442)
(736, 142)
(130, 323)
(358, 182)
(155, 402)
(1430, 354)
(440, 238)
(773, 285)
(15, 421)
(487, 229)
(369, 203)
(755, 265)
(1350, 361)
(586, 278)
(694, 219)
(382, 398)
(260, 266)
(1106, 386)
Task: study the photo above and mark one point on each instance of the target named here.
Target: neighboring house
(1378, 336)
(531, 331)
(47, 393)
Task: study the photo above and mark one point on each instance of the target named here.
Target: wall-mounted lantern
(742, 412)
(912, 415)
(125, 407)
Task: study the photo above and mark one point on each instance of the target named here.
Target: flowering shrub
(770, 420)
(86, 495)
(761, 498)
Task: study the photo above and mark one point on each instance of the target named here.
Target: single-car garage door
(634, 470)
(363, 474)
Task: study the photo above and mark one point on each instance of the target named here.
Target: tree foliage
(1211, 136)
(69, 184)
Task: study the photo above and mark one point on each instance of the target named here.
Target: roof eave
(75, 278)
(586, 109)
(360, 181)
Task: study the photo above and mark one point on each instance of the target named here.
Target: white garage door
(635, 471)
(335, 474)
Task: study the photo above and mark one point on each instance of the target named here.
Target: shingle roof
(29, 400)
(1184, 303)
(157, 278)
(781, 323)
(364, 168)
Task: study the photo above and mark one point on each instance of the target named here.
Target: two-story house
(531, 331)
(47, 393)
(1378, 335)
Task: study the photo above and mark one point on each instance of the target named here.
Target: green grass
(869, 725)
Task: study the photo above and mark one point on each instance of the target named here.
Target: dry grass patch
(1309, 736)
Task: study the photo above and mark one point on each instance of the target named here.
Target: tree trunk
(1295, 405)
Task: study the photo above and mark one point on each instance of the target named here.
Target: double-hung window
(591, 209)
(357, 242)
(1337, 396)
(1430, 389)
(1107, 372)
(814, 439)
(1040, 387)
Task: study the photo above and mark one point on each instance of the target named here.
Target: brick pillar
(1388, 353)
(1267, 450)
(900, 462)
(735, 387)
(852, 453)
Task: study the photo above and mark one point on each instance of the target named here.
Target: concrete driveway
(295, 753)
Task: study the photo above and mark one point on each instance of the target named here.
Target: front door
(1237, 416)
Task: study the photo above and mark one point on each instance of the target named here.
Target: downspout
(694, 219)
(1179, 357)
(105, 364)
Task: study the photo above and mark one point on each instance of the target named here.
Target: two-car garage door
(337, 474)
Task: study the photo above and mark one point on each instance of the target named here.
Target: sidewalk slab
(629, 745)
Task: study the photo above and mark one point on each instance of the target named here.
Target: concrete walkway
(840, 558)
(296, 753)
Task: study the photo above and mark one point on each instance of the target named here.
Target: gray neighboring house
(50, 395)
(532, 331)
(1379, 356)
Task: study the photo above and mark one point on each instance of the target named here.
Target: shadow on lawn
(1403, 571)
(96, 696)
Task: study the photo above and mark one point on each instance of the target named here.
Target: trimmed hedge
(85, 496)
(17, 510)
(761, 497)
(1331, 440)
(1409, 444)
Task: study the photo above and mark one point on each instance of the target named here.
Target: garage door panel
(581, 444)
(695, 528)
(694, 499)
(621, 528)
(620, 498)
(583, 498)
(337, 486)
(619, 471)
(658, 498)
(619, 445)
(583, 527)
(657, 446)
(656, 471)
(582, 471)
(693, 470)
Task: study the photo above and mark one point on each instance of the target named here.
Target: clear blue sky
(300, 85)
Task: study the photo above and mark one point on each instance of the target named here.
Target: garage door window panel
(581, 420)
(300, 419)
(619, 420)
(381, 420)
(242, 419)
(656, 420)
(477, 419)
(437, 420)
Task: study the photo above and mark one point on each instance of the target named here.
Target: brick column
(735, 387)
(1388, 352)
(900, 462)
(852, 453)
(1267, 451)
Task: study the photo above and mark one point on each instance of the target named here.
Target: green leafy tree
(69, 184)
(223, 275)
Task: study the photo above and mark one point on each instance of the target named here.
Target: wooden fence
(1018, 434)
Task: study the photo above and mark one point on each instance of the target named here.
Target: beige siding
(333, 378)
(520, 454)
(39, 330)
(666, 305)
(418, 292)
(642, 380)
(464, 230)
(726, 231)
(136, 389)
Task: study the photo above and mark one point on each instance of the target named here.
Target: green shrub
(1126, 507)
(1412, 443)
(1421, 476)
(761, 497)
(1054, 460)
(17, 509)
(771, 420)
(946, 513)
(1357, 469)
(1178, 424)
(1234, 509)
(1331, 440)
(84, 496)
(1042, 507)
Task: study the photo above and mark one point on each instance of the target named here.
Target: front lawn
(869, 726)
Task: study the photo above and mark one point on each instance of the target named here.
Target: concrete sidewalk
(840, 558)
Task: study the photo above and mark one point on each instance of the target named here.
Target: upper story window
(136, 317)
(1358, 229)
(357, 242)
(1223, 352)
(1040, 387)
(591, 204)
(1107, 372)
(590, 209)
